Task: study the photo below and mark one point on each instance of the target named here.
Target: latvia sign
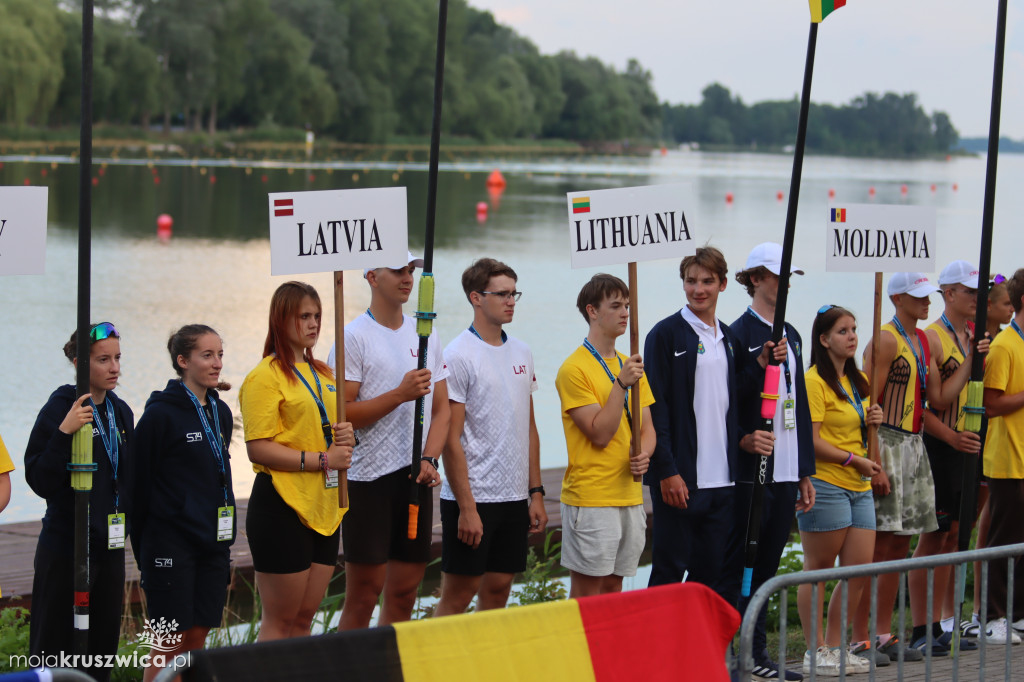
(874, 238)
(23, 230)
(613, 226)
(343, 229)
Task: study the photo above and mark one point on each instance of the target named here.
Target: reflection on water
(216, 268)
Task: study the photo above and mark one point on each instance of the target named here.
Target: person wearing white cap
(951, 339)
(382, 383)
(787, 479)
(904, 490)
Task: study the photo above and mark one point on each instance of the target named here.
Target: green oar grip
(425, 315)
(82, 464)
(974, 410)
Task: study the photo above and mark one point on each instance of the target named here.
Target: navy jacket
(46, 458)
(751, 332)
(670, 362)
(178, 483)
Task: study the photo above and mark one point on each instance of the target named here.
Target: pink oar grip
(769, 396)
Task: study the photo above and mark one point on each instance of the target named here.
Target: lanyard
(504, 336)
(593, 351)
(371, 315)
(110, 442)
(214, 439)
(956, 337)
(325, 423)
(858, 404)
(1016, 328)
(785, 363)
(921, 369)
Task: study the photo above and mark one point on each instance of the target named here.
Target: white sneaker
(1018, 625)
(998, 632)
(825, 662)
(856, 664)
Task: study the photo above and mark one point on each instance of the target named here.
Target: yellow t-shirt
(284, 411)
(6, 464)
(596, 477)
(840, 426)
(1004, 370)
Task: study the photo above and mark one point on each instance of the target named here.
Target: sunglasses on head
(825, 308)
(104, 330)
(997, 279)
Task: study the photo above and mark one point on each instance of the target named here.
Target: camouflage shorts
(909, 508)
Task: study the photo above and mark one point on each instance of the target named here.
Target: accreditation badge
(115, 531)
(330, 478)
(789, 413)
(225, 523)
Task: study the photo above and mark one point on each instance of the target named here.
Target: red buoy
(779, 195)
(831, 193)
(496, 179)
(871, 191)
(728, 197)
(955, 187)
(933, 188)
(903, 189)
(164, 223)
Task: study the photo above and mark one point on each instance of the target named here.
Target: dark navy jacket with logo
(751, 332)
(46, 459)
(670, 363)
(178, 484)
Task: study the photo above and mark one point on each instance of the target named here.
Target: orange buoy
(496, 179)
(779, 195)
(728, 197)
(831, 193)
(164, 224)
(871, 191)
(664, 151)
(933, 188)
(903, 189)
(955, 187)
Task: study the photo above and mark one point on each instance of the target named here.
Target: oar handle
(634, 348)
(339, 372)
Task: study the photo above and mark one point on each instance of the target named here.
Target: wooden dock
(18, 545)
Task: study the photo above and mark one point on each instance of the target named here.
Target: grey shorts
(599, 541)
(909, 508)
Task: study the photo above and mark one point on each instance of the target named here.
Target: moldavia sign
(23, 230)
(344, 229)
(613, 226)
(880, 238)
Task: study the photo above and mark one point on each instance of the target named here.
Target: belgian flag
(673, 632)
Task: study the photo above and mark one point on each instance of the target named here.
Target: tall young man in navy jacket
(690, 358)
(787, 474)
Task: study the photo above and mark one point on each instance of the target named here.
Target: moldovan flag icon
(839, 215)
(664, 633)
(581, 205)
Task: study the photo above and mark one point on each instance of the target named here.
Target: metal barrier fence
(782, 583)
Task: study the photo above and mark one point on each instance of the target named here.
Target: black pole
(778, 324)
(82, 492)
(968, 499)
(425, 315)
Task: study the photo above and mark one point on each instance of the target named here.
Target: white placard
(341, 229)
(880, 238)
(631, 224)
(23, 230)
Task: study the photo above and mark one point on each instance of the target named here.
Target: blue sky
(942, 50)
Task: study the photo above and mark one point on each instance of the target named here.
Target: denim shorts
(836, 508)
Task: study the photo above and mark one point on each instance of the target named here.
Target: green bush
(13, 635)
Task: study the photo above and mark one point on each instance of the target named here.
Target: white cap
(413, 260)
(959, 272)
(769, 255)
(914, 283)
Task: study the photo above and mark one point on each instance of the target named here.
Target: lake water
(216, 268)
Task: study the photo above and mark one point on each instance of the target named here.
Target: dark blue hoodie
(178, 483)
(46, 459)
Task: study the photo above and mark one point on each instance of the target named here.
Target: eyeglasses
(104, 330)
(825, 308)
(513, 295)
(997, 279)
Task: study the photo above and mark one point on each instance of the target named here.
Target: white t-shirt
(494, 383)
(787, 449)
(378, 358)
(710, 403)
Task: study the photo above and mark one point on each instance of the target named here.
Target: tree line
(363, 71)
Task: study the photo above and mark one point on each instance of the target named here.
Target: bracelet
(323, 461)
(619, 382)
(302, 460)
(848, 459)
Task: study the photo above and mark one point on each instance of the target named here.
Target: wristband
(848, 460)
(619, 382)
(323, 461)
(302, 460)
(538, 489)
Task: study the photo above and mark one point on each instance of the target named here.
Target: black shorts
(278, 540)
(375, 529)
(947, 469)
(184, 582)
(503, 547)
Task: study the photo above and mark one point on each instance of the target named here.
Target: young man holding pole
(492, 496)
(787, 477)
(904, 489)
(381, 387)
(603, 519)
(1004, 466)
(691, 358)
(947, 443)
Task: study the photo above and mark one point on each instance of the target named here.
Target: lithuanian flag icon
(581, 205)
(666, 633)
(839, 215)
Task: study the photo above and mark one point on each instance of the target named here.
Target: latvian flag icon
(839, 215)
(283, 207)
(581, 205)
